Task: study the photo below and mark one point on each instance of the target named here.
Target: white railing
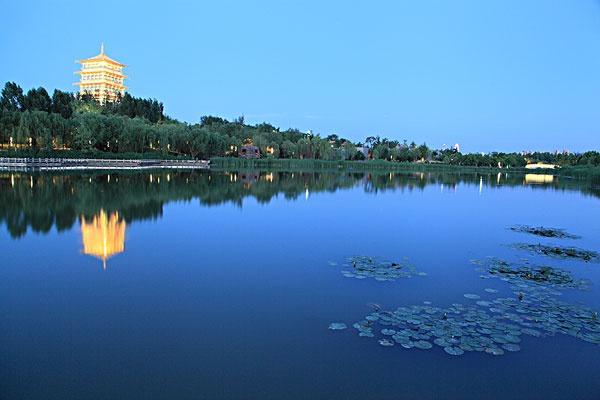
(62, 163)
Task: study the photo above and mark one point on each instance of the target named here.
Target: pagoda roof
(101, 57)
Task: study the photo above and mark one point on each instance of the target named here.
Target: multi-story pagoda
(101, 77)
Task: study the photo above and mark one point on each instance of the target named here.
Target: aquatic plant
(337, 326)
(492, 326)
(386, 342)
(544, 232)
(544, 275)
(474, 328)
(560, 252)
(361, 267)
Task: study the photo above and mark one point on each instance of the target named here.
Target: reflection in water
(249, 178)
(103, 236)
(43, 201)
(539, 178)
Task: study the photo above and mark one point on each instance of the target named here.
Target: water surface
(220, 285)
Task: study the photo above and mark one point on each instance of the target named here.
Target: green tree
(37, 100)
(348, 150)
(12, 98)
(62, 103)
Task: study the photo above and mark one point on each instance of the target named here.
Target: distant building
(456, 148)
(249, 151)
(541, 165)
(102, 77)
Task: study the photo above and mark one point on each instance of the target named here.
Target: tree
(208, 120)
(372, 141)
(323, 150)
(423, 152)
(267, 128)
(37, 100)
(359, 155)
(304, 148)
(334, 139)
(288, 149)
(12, 98)
(348, 150)
(62, 103)
(9, 121)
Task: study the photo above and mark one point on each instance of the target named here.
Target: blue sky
(490, 75)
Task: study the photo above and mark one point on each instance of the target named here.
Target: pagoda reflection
(103, 236)
(538, 178)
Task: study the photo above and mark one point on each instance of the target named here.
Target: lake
(223, 285)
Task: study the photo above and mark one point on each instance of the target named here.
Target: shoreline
(271, 164)
(75, 164)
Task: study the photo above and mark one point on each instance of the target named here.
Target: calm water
(208, 286)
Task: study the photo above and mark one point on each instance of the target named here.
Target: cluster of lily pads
(537, 309)
(362, 267)
(457, 329)
(541, 275)
(544, 232)
(560, 252)
(491, 326)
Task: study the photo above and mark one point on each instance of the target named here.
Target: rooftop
(101, 57)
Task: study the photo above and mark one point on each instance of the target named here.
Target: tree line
(38, 122)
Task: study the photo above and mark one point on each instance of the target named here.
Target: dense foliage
(38, 122)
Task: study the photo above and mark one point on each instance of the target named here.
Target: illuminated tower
(101, 77)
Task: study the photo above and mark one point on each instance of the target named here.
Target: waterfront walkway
(96, 163)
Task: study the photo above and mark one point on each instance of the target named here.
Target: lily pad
(531, 332)
(495, 351)
(454, 351)
(511, 347)
(423, 345)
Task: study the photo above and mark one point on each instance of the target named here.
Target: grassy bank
(272, 164)
(580, 171)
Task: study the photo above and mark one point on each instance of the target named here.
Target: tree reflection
(43, 201)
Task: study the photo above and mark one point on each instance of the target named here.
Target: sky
(496, 75)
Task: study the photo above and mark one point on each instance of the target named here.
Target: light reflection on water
(103, 236)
